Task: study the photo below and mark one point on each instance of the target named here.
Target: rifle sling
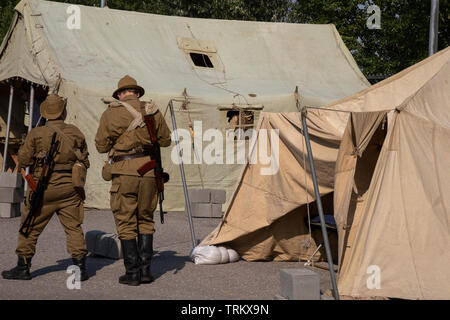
(70, 141)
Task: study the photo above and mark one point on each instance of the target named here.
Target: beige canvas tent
(392, 183)
(81, 52)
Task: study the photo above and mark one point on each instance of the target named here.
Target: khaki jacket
(37, 143)
(112, 134)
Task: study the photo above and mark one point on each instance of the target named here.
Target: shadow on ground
(162, 262)
(167, 261)
(93, 264)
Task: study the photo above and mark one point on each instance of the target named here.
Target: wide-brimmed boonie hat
(53, 106)
(125, 83)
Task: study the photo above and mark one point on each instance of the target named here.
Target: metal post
(30, 126)
(103, 3)
(434, 27)
(183, 177)
(319, 206)
(8, 124)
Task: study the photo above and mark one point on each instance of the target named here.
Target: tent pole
(183, 177)
(319, 205)
(30, 122)
(434, 22)
(30, 126)
(8, 124)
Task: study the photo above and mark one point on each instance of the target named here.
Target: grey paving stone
(300, 284)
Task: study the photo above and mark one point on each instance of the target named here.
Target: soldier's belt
(63, 171)
(61, 167)
(128, 157)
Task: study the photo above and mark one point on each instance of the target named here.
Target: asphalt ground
(176, 276)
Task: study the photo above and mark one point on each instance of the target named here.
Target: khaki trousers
(66, 203)
(133, 201)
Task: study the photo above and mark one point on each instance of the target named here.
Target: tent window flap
(201, 60)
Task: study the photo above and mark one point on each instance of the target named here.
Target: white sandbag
(224, 257)
(234, 256)
(213, 255)
(206, 255)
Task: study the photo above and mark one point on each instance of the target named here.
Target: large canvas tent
(253, 64)
(392, 183)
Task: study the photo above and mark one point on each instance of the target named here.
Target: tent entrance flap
(364, 169)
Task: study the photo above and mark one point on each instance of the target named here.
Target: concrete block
(199, 195)
(206, 210)
(218, 196)
(300, 284)
(104, 244)
(11, 195)
(9, 210)
(11, 180)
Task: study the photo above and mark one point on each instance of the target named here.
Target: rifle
(154, 151)
(28, 177)
(37, 195)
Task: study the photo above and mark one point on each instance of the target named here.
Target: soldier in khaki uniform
(133, 198)
(61, 197)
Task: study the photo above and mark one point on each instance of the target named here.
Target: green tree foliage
(6, 14)
(401, 41)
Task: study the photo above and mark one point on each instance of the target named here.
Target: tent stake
(183, 177)
(5, 151)
(319, 205)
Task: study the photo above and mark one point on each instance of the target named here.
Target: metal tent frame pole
(30, 125)
(8, 124)
(319, 205)
(30, 122)
(183, 177)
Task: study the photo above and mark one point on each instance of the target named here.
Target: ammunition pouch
(79, 173)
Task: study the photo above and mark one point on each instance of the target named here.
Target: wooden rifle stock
(155, 152)
(29, 179)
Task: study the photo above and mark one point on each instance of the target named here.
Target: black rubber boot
(20, 272)
(81, 263)
(132, 276)
(145, 247)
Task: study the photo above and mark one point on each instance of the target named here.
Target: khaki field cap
(53, 106)
(127, 82)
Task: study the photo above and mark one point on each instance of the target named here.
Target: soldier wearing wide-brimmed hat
(128, 83)
(61, 196)
(133, 198)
